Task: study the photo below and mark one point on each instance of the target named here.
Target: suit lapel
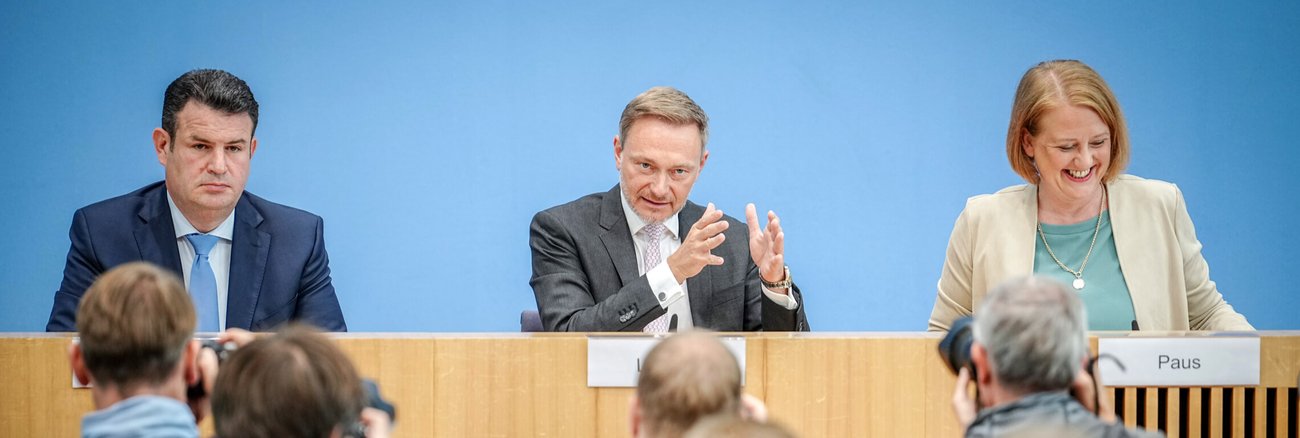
(156, 236)
(1021, 236)
(1133, 258)
(248, 257)
(699, 289)
(617, 237)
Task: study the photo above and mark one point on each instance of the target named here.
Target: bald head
(686, 377)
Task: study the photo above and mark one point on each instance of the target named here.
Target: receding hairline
(693, 345)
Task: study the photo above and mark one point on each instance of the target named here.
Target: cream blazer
(993, 241)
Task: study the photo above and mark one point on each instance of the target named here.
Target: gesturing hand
(767, 246)
(695, 252)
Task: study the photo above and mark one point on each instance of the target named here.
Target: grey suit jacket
(585, 275)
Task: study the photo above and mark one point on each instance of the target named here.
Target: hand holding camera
(211, 354)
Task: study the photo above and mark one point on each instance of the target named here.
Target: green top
(1105, 294)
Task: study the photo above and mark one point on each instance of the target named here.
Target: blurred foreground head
(135, 324)
(686, 377)
(295, 383)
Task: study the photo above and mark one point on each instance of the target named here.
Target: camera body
(223, 351)
(955, 347)
(373, 400)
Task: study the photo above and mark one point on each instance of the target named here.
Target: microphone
(672, 323)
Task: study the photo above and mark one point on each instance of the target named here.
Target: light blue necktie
(203, 283)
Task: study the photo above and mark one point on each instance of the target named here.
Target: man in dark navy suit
(247, 262)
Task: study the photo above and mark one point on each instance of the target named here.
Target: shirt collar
(634, 222)
(184, 228)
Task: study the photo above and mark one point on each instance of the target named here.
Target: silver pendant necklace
(1078, 275)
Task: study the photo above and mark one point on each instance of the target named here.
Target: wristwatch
(785, 283)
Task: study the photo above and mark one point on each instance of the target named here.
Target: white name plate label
(615, 361)
(76, 383)
(1195, 361)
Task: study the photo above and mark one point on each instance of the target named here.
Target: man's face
(207, 161)
(658, 163)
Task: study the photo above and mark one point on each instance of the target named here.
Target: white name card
(76, 383)
(1194, 361)
(615, 361)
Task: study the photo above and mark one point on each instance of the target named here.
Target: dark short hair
(134, 323)
(217, 89)
(296, 383)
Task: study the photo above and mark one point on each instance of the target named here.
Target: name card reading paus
(1183, 361)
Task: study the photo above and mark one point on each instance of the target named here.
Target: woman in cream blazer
(993, 241)
(1154, 241)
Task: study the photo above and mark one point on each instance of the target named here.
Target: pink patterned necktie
(653, 232)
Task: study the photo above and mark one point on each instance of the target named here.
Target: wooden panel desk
(818, 384)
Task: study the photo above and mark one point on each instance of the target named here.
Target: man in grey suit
(641, 257)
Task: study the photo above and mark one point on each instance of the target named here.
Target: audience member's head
(686, 377)
(736, 426)
(1031, 335)
(135, 324)
(295, 383)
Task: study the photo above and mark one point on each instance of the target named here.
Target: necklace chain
(1078, 275)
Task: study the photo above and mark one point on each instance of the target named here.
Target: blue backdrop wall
(428, 133)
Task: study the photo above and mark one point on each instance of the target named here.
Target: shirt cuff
(664, 286)
(786, 301)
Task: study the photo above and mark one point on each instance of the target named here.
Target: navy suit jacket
(279, 270)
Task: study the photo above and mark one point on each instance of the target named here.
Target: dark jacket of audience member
(1053, 414)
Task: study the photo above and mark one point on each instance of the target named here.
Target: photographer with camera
(136, 324)
(1027, 350)
(295, 383)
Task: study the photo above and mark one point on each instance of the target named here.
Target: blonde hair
(1052, 84)
(669, 104)
(134, 323)
(684, 378)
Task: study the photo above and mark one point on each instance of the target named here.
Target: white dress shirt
(218, 257)
(661, 276)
